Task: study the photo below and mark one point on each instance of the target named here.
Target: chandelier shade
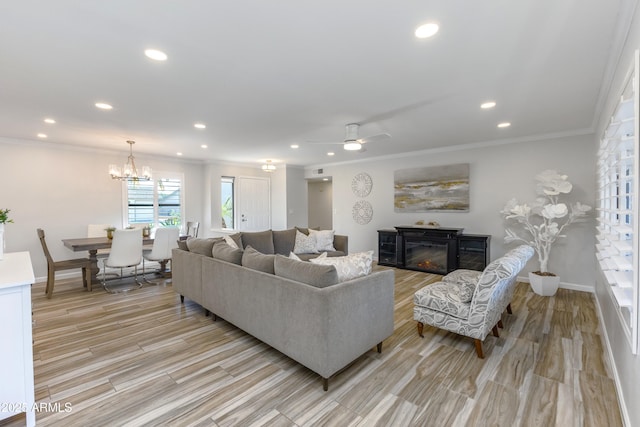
(129, 172)
(268, 166)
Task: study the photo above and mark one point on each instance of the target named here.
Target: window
(157, 202)
(227, 202)
(617, 247)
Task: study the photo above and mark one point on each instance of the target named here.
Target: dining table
(93, 244)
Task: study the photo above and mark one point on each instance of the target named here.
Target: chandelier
(268, 166)
(129, 172)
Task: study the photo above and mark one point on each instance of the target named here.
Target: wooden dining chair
(68, 264)
(192, 228)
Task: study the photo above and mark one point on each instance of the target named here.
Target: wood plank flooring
(142, 358)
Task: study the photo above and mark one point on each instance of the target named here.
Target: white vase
(1, 240)
(544, 285)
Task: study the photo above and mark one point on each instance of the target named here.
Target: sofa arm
(341, 243)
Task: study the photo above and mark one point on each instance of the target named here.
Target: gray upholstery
(258, 261)
(262, 241)
(324, 329)
(222, 250)
(283, 241)
(201, 246)
(316, 275)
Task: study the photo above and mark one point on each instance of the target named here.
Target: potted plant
(110, 231)
(4, 219)
(146, 230)
(543, 222)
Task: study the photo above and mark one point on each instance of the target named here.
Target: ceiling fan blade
(375, 138)
(324, 142)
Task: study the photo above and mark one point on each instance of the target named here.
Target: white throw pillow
(231, 242)
(349, 267)
(324, 239)
(294, 256)
(304, 244)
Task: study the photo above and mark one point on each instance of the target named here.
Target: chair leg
(420, 326)
(51, 277)
(479, 348)
(144, 275)
(495, 331)
(509, 309)
(379, 347)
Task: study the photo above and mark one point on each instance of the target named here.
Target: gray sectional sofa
(298, 308)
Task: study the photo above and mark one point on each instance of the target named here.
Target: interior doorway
(320, 204)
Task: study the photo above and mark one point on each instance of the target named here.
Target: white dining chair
(165, 240)
(126, 251)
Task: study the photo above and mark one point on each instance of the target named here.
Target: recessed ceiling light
(504, 125)
(50, 121)
(203, 146)
(155, 54)
(295, 146)
(199, 126)
(330, 153)
(103, 106)
(42, 135)
(427, 30)
(488, 104)
(178, 154)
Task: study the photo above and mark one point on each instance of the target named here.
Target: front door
(253, 203)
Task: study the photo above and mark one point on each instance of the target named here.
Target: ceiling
(264, 75)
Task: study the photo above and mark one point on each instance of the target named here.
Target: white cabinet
(16, 356)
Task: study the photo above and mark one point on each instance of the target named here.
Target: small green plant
(4, 216)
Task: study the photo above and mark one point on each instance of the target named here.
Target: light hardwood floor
(142, 358)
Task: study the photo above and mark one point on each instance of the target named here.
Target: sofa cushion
(237, 237)
(443, 297)
(349, 267)
(182, 244)
(255, 260)
(262, 241)
(224, 252)
(324, 240)
(284, 241)
(202, 246)
(304, 244)
(316, 275)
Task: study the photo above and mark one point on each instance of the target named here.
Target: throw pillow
(284, 241)
(229, 240)
(304, 244)
(262, 241)
(255, 260)
(294, 256)
(324, 239)
(182, 244)
(223, 251)
(201, 246)
(350, 266)
(466, 291)
(316, 275)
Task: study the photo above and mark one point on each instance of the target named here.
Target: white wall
(497, 173)
(626, 365)
(63, 189)
(320, 194)
(296, 197)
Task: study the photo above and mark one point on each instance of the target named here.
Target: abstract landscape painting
(433, 188)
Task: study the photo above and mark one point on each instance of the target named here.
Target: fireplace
(433, 250)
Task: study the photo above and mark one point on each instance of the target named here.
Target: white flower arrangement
(546, 218)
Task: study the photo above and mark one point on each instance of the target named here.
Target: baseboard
(77, 273)
(616, 378)
(565, 285)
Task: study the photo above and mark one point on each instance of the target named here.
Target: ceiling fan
(351, 140)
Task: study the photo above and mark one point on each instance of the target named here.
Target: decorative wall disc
(362, 212)
(362, 184)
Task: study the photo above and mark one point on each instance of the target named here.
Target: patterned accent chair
(471, 303)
